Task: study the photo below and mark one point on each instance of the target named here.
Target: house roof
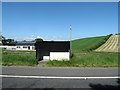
(27, 43)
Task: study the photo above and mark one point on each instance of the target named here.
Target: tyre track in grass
(115, 45)
(111, 44)
(107, 44)
(104, 45)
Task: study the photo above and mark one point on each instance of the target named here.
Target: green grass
(88, 60)
(0, 56)
(88, 43)
(17, 58)
(80, 58)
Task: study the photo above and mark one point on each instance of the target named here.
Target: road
(58, 77)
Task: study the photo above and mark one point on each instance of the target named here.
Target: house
(25, 45)
(19, 45)
(53, 50)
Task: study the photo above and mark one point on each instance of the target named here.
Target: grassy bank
(88, 43)
(89, 60)
(18, 58)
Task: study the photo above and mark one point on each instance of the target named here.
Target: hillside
(87, 43)
(111, 44)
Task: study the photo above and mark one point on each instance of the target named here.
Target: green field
(88, 43)
(18, 58)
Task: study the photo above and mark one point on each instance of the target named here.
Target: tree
(38, 39)
(2, 37)
(8, 41)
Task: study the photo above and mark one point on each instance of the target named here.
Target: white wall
(59, 56)
(21, 48)
(31, 47)
(16, 47)
(9, 47)
(46, 57)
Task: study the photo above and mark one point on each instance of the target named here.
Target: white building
(28, 45)
(20, 45)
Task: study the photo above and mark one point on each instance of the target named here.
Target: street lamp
(70, 40)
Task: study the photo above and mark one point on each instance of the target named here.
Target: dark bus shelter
(43, 48)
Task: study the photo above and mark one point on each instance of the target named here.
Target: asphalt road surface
(59, 77)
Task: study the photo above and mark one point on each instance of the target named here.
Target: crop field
(88, 43)
(111, 45)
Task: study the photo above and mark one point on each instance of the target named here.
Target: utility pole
(70, 40)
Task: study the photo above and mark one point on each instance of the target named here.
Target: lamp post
(70, 40)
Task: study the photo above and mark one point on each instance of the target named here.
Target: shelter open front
(53, 50)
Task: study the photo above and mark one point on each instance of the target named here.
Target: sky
(51, 20)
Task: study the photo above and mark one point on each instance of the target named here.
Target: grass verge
(82, 59)
(18, 58)
(88, 60)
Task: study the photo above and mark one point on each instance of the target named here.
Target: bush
(38, 39)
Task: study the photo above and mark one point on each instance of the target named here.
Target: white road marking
(56, 77)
